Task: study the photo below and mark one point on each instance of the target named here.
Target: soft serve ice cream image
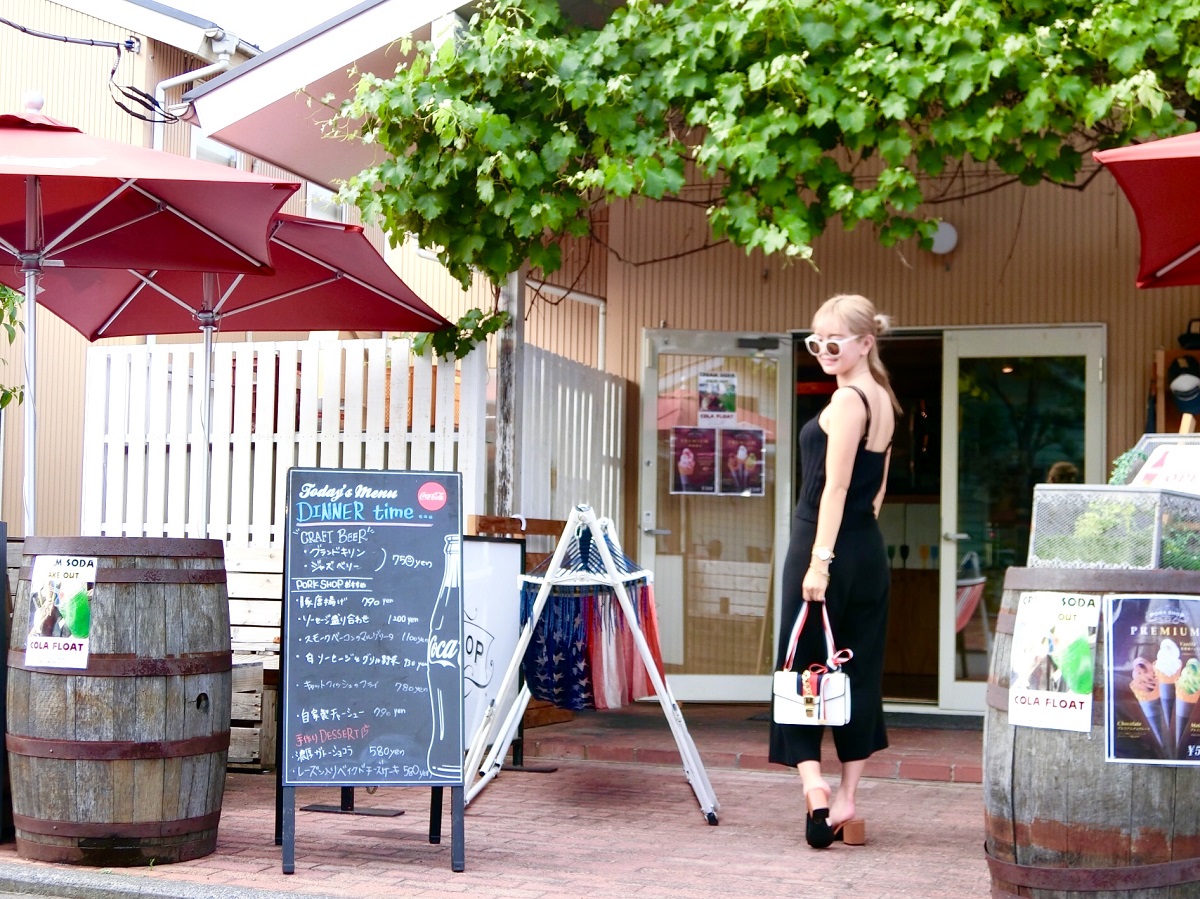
(1144, 684)
(1167, 665)
(1187, 691)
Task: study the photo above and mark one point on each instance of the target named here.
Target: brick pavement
(590, 829)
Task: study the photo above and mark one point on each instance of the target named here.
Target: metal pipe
(600, 302)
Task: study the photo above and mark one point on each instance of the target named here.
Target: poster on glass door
(718, 398)
(742, 461)
(693, 460)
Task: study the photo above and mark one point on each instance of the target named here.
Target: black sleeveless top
(865, 479)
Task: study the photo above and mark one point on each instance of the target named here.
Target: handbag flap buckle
(809, 694)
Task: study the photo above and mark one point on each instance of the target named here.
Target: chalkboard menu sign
(371, 668)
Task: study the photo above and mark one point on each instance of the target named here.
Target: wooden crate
(255, 606)
(252, 715)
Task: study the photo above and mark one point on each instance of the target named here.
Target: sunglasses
(831, 346)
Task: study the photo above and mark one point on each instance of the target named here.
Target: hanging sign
(60, 614)
(1053, 661)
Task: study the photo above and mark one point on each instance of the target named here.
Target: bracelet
(824, 574)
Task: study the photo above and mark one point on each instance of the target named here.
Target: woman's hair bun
(883, 324)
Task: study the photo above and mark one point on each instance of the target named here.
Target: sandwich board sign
(371, 678)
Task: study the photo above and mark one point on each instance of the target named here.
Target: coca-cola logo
(431, 496)
(442, 651)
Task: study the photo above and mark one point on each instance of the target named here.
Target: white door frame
(658, 342)
(1089, 340)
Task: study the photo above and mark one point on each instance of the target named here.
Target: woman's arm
(843, 422)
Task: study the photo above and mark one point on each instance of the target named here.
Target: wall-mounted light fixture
(945, 239)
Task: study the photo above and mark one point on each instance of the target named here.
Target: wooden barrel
(123, 762)
(1061, 822)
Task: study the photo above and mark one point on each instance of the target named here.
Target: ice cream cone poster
(742, 461)
(1054, 660)
(60, 613)
(1153, 661)
(718, 398)
(693, 460)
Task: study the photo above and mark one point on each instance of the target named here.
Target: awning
(273, 106)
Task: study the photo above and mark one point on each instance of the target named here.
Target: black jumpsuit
(857, 599)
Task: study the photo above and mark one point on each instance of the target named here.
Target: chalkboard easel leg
(458, 861)
(289, 830)
(435, 816)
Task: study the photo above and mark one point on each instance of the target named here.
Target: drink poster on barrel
(371, 667)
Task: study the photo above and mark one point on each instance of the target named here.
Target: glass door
(716, 433)
(1020, 406)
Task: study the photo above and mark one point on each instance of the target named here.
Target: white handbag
(820, 694)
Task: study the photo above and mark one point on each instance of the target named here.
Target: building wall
(73, 80)
(1044, 255)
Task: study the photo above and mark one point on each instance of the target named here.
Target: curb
(104, 883)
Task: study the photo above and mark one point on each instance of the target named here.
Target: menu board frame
(371, 664)
(363, 569)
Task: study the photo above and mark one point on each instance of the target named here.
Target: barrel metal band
(130, 829)
(115, 750)
(135, 547)
(1095, 880)
(151, 575)
(125, 665)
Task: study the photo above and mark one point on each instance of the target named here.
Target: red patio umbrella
(70, 202)
(327, 276)
(1161, 180)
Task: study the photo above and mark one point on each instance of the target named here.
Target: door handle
(656, 532)
(953, 538)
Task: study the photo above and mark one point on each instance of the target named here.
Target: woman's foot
(817, 831)
(847, 829)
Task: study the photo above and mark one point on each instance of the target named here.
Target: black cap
(1183, 377)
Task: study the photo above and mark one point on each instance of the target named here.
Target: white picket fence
(328, 404)
(573, 425)
(317, 404)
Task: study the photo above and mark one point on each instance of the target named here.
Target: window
(322, 204)
(213, 151)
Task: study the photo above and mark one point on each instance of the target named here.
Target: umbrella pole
(30, 492)
(31, 264)
(207, 323)
(206, 428)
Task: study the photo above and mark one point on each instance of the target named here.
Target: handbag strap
(837, 657)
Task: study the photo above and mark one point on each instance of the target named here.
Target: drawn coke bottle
(445, 681)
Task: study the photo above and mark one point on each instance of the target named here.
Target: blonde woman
(837, 556)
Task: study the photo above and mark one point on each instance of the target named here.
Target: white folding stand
(499, 727)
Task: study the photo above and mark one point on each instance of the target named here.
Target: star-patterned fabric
(582, 653)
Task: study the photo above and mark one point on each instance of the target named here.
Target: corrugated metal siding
(73, 79)
(1044, 255)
